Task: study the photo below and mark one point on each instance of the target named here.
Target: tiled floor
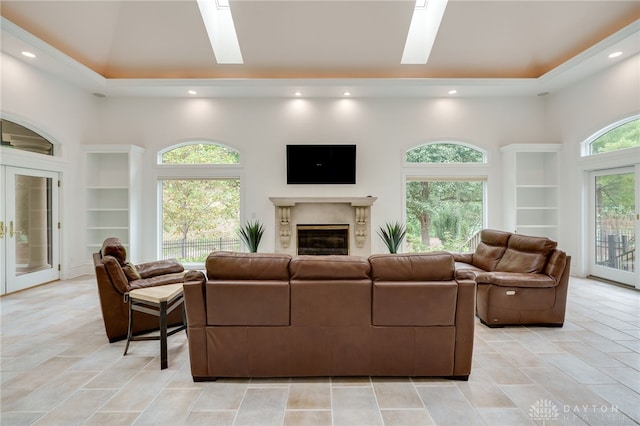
(57, 368)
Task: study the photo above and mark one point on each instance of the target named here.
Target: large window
(444, 196)
(200, 201)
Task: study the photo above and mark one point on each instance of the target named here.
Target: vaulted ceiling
(325, 39)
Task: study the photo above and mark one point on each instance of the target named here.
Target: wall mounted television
(321, 164)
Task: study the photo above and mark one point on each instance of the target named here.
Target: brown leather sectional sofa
(116, 276)
(273, 315)
(521, 279)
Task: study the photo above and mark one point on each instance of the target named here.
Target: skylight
(218, 22)
(424, 26)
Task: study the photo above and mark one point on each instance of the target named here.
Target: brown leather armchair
(522, 280)
(115, 277)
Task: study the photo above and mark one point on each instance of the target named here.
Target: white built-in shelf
(531, 188)
(112, 194)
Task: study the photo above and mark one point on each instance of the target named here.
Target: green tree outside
(622, 137)
(197, 211)
(443, 214)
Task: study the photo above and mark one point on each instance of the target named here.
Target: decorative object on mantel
(392, 234)
(251, 234)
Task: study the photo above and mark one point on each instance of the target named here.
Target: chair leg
(163, 335)
(130, 328)
(184, 320)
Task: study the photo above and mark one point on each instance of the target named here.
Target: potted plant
(392, 234)
(251, 234)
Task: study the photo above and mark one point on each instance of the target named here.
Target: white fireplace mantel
(359, 217)
(292, 201)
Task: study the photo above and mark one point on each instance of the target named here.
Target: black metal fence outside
(198, 250)
(616, 249)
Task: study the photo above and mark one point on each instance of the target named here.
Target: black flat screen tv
(321, 164)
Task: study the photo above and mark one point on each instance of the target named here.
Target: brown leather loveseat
(116, 276)
(521, 279)
(273, 315)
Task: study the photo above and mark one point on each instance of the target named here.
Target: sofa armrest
(464, 257)
(516, 279)
(195, 306)
(195, 276)
(465, 324)
(195, 303)
(159, 267)
(466, 274)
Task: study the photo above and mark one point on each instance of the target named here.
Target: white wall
(63, 114)
(260, 128)
(382, 129)
(576, 113)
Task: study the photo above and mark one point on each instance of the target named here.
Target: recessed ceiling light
(192, 92)
(453, 91)
(28, 54)
(422, 31)
(297, 93)
(615, 54)
(347, 93)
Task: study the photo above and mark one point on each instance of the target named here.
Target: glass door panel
(31, 222)
(614, 211)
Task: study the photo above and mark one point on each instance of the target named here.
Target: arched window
(19, 137)
(444, 204)
(445, 152)
(199, 183)
(200, 153)
(620, 135)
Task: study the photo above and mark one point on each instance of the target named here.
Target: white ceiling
(321, 47)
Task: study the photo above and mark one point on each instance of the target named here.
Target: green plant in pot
(251, 234)
(392, 234)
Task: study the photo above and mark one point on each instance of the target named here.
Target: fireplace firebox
(323, 239)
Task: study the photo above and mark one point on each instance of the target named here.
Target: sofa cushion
(248, 266)
(515, 279)
(526, 254)
(159, 267)
(130, 271)
(329, 268)
(330, 291)
(490, 249)
(246, 303)
(436, 266)
(113, 247)
(165, 279)
(115, 273)
(246, 289)
(414, 303)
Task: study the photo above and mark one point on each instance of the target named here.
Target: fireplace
(350, 214)
(323, 239)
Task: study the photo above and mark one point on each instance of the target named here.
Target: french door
(29, 242)
(614, 209)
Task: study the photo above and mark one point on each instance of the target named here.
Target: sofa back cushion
(526, 254)
(435, 266)
(116, 274)
(247, 289)
(490, 249)
(248, 266)
(329, 268)
(330, 291)
(113, 247)
(556, 264)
